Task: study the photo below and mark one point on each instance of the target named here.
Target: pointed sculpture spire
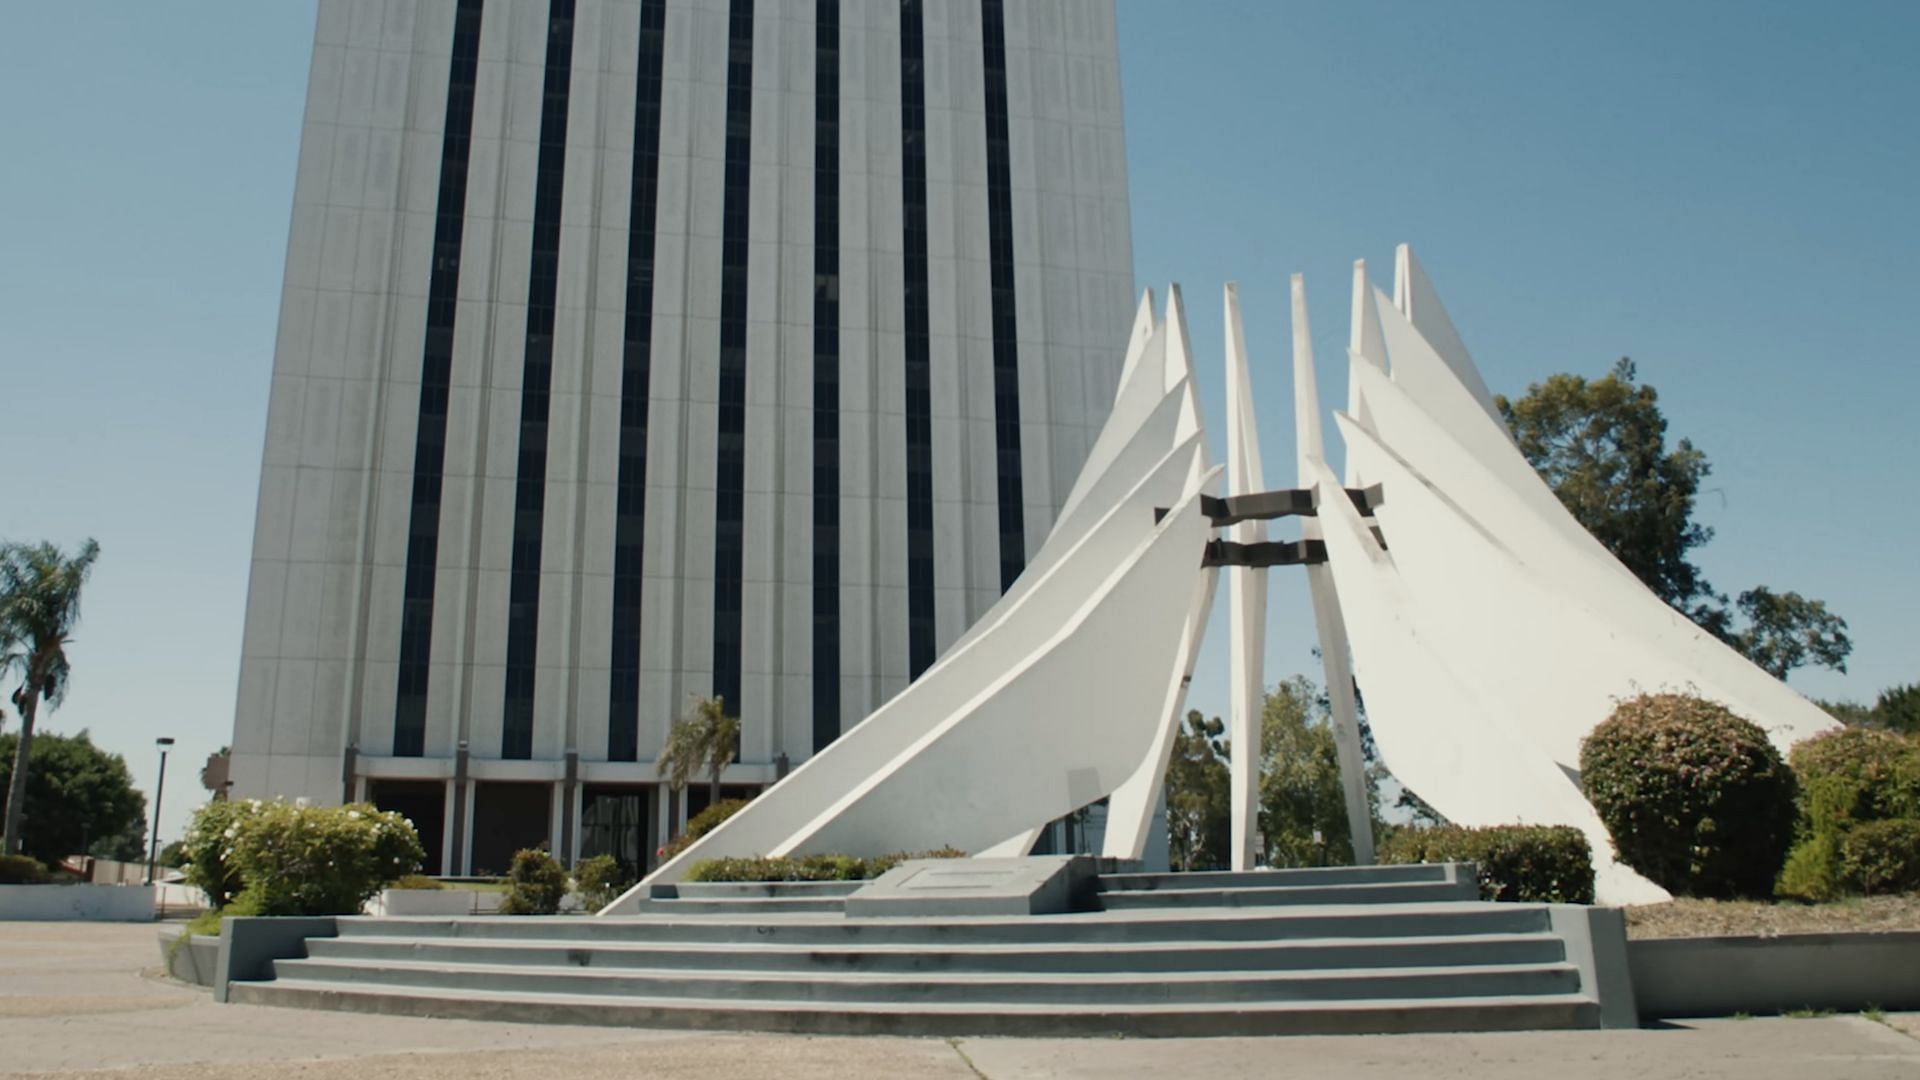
(1247, 600)
(1335, 654)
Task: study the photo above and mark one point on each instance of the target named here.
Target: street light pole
(159, 791)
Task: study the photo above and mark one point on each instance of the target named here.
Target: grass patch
(1686, 917)
(1807, 1013)
(476, 886)
(205, 924)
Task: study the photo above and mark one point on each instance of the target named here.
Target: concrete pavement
(83, 999)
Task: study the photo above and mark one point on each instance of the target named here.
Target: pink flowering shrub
(1695, 798)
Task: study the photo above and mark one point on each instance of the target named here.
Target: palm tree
(39, 605)
(703, 741)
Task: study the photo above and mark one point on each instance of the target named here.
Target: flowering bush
(1695, 797)
(209, 842)
(296, 859)
(1850, 779)
(702, 823)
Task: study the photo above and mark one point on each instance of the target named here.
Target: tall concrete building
(638, 350)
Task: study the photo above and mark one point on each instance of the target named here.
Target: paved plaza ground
(87, 1000)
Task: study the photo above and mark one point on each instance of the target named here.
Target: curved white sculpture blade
(1465, 753)
(1419, 303)
(1580, 572)
(1105, 564)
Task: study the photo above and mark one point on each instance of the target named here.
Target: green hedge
(22, 870)
(1854, 780)
(536, 883)
(1534, 863)
(828, 867)
(599, 880)
(1881, 857)
(1695, 797)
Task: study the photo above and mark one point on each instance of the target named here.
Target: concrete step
(1065, 957)
(1280, 878)
(980, 988)
(1265, 896)
(1224, 924)
(1012, 1019)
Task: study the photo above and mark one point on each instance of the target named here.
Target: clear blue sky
(1724, 191)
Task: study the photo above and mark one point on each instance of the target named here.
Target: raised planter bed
(76, 903)
(1722, 976)
(193, 959)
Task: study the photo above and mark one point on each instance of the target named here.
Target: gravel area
(1750, 918)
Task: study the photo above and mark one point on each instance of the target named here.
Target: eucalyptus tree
(39, 607)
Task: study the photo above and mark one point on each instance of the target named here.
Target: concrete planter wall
(434, 902)
(1722, 976)
(76, 903)
(190, 961)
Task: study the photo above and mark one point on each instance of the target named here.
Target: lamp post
(160, 790)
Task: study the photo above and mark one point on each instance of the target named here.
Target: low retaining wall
(1676, 977)
(76, 903)
(191, 960)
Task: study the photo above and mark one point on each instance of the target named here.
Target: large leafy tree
(1601, 444)
(1303, 808)
(39, 607)
(1198, 825)
(79, 799)
(702, 742)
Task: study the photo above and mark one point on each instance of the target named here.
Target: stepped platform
(1341, 950)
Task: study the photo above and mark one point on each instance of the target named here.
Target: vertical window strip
(636, 366)
(917, 357)
(1006, 345)
(436, 370)
(530, 487)
(731, 418)
(826, 374)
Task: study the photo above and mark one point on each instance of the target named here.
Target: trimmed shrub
(22, 870)
(599, 880)
(1695, 797)
(419, 883)
(880, 864)
(1550, 864)
(825, 867)
(1881, 857)
(536, 883)
(298, 859)
(209, 844)
(1851, 778)
(702, 823)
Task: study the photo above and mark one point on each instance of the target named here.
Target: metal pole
(159, 792)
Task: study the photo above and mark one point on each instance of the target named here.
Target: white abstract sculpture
(1489, 631)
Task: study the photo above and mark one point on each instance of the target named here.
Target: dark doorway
(614, 821)
(506, 818)
(423, 802)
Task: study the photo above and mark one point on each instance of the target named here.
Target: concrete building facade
(638, 350)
